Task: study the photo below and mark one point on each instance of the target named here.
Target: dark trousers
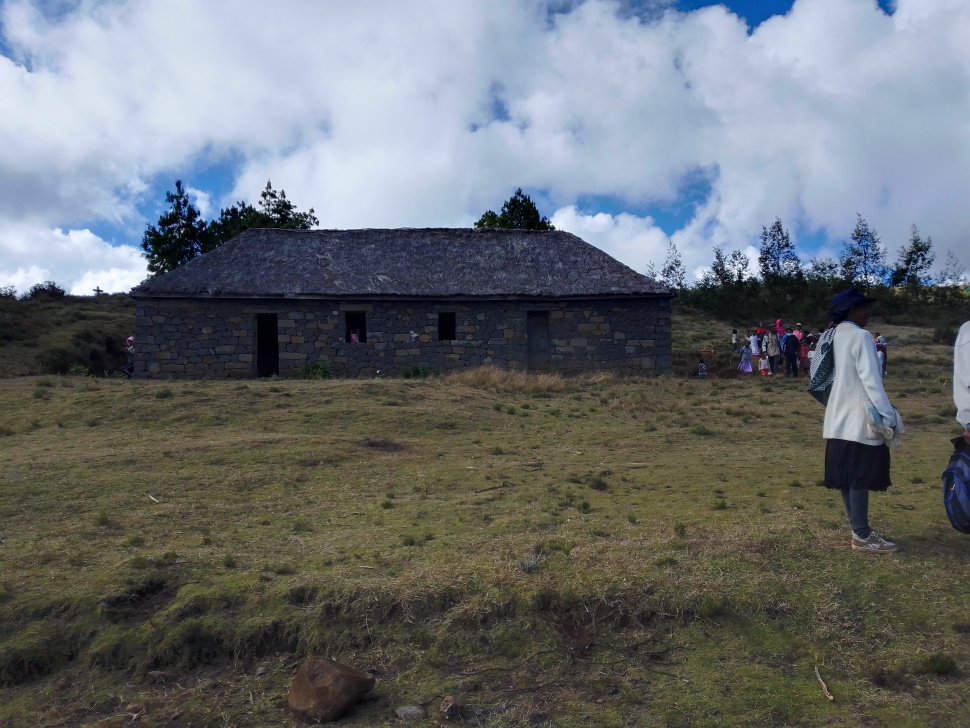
(791, 364)
(857, 507)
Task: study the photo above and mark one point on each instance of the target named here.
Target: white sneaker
(874, 544)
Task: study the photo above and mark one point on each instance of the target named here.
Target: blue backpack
(956, 487)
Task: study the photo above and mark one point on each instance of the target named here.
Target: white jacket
(857, 383)
(961, 376)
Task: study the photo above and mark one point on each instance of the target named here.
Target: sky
(631, 123)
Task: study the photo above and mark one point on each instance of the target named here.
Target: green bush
(47, 289)
(314, 370)
(415, 372)
(937, 663)
(945, 335)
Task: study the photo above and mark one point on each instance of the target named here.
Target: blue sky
(757, 11)
(632, 123)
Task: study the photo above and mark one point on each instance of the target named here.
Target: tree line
(784, 285)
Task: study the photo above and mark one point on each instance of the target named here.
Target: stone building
(366, 301)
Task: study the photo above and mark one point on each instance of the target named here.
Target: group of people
(781, 348)
(775, 348)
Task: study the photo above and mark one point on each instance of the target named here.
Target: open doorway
(538, 340)
(267, 345)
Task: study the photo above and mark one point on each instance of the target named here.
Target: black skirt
(856, 466)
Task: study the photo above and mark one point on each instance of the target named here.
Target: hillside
(52, 335)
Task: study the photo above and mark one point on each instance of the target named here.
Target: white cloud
(76, 260)
(427, 113)
(202, 201)
(632, 240)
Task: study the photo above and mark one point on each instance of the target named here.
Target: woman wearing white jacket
(961, 379)
(856, 455)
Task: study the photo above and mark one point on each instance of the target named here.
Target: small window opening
(447, 328)
(356, 332)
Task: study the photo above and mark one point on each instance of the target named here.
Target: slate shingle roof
(424, 263)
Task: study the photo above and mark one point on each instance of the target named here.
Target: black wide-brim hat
(847, 300)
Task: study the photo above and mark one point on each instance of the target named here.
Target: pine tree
(777, 259)
(181, 234)
(914, 262)
(518, 213)
(863, 260)
(673, 273)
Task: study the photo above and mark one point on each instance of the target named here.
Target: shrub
(530, 563)
(314, 370)
(8, 292)
(415, 372)
(945, 335)
(47, 289)
(77, 370)
(937, 663)
(598, 484)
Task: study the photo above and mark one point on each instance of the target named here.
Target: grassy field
(541, 551)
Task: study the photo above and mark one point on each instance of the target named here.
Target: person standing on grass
(129, 368)
(881, 351)
(773, 350)
(745, 366)
(856, 455)
(961, 379)
(790, 348)
(754, 340)
(804, 346)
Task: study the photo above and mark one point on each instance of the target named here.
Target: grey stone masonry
(217, 338)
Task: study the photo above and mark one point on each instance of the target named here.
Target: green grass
(552, 570)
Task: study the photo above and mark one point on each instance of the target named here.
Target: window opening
(356, 327)
(447, 327)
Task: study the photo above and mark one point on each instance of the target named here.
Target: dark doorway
(538, 337)
(267, 345)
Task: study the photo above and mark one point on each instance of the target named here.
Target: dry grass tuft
(504, 380)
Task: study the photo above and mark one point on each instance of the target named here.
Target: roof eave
(399, 297)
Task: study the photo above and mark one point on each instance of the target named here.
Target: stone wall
(196, 339)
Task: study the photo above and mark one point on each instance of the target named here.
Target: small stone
(410, 713)
(323, 690)
(261, 670)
